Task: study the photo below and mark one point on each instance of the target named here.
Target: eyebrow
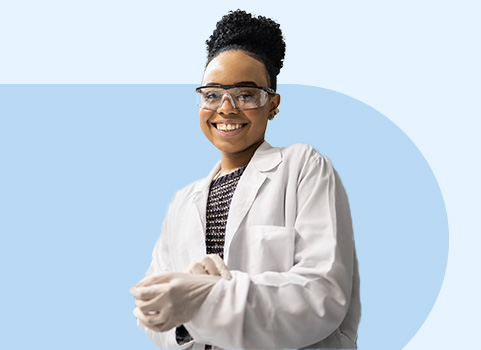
(237, 83)
(246, 83)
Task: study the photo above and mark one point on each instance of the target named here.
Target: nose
(227, 105)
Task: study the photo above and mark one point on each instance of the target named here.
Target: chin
(229, 148)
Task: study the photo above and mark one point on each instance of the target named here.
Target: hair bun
(258, 35)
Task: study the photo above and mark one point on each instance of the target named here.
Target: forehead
(233, 67)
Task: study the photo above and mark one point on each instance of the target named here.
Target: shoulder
(188, 191)
(304, 155)
(308, 167)
(194, 190)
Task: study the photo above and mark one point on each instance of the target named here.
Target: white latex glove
(170, 299)
(211, 264)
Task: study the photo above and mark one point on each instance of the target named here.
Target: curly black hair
(260, 37)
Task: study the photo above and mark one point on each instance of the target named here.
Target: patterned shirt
(218, 204)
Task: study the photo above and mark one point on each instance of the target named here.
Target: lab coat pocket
(268, 248)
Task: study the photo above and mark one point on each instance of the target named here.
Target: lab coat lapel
(199, 197)
(265, 159)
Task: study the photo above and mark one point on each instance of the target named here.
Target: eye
(210, 96)
(247, 96)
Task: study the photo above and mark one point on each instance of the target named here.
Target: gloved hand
(211, 264)
(167, 300)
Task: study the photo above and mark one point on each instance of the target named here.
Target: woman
(278, 217)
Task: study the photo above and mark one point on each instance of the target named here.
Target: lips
(228, 126)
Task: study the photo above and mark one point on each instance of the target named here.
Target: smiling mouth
(228, 126)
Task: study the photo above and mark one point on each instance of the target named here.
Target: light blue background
(417, 62)
(88, 171)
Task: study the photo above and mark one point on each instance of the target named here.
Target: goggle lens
(242, 98)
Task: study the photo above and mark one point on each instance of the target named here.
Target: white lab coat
(289, 245)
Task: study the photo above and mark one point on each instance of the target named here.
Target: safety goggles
(241, 97)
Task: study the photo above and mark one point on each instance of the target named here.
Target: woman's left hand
(211, 264)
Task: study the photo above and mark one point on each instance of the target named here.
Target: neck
(233, 161)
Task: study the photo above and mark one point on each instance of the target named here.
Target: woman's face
(249, 126)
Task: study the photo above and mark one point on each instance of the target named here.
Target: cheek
(258, 117)
(205, 116)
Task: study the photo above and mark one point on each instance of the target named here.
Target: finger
(210, 266)
(165, 320)
(156, 321)
(148, 319)
(134, 291)
(146, 306)
(219, 263)
(154, 305)
(197, 269)
(155, 279)
(149, 292)
(145, 320)
(140, 323)
(145, 327)
(168, 325)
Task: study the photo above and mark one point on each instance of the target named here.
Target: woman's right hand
(170, 299)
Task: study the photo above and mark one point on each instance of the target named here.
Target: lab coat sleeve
(161, 263)
(274, 310)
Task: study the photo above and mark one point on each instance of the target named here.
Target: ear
(275, 102)
(273, 110)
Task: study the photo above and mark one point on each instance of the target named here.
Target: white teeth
(228, 127)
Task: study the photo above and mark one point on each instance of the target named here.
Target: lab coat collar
(266, 157)
(262, 166)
